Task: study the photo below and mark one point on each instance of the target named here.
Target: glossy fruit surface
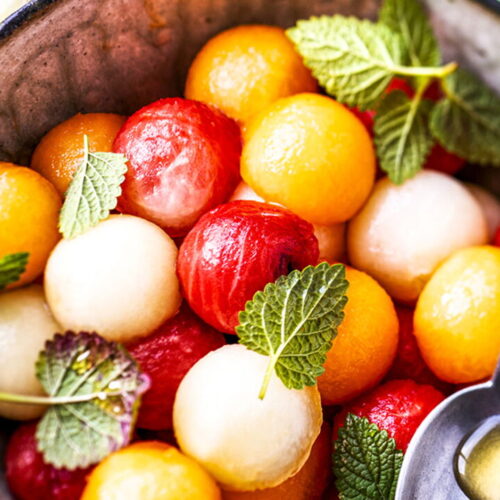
(29, 211)
(183, 160)
(398, 407)
(365, 346)
(30, 478)
(166, 356)
(245, 442)
(308, 484)
(408, 363)
(331, 239)
(457, 320)
(234, 251)
(117, 279)
(149, 470)
(245, 69)
(312, 155)
(25, 325)
(60, 152)
(404, 232)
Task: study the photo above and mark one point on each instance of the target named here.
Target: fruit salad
(257, 290)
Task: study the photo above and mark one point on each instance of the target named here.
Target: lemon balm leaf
(293, 321)
(467, 121)
(408, 19)
(11, 268)
(402, 136)
(366, 461)
(353, 59)
(93, 191)
(94, 386)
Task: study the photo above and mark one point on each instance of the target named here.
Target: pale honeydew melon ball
(331, 239)
(404, 232)
(490, 205)
(117, 279)
(26, 323)
(244, 442)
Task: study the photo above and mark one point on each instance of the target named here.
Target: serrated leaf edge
(353, 421)
(69, 223)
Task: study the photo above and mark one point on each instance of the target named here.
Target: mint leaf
(353, 59)
(408, 19)
(293, 321)
(366, 461)
(11, 268)
(93, 192)
(101, 383)
(402, 136)
(467, 121)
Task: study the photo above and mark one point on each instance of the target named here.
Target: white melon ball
(244, 442)
(404, 232)
(331, 239)
(490, 205)
(26, 323)
(117, 279)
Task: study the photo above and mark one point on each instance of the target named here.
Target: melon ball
(490, 205)
(331, 239)
(404, 232)
(26, 323)
(117, 279)
(245, 443)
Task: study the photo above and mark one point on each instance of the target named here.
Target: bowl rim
(21, 16)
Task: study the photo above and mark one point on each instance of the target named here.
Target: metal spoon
(427, 472)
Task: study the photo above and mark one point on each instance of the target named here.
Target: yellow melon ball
(149, 470)
(312, 155)
(457, 318)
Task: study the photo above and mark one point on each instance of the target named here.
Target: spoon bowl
(427, 470)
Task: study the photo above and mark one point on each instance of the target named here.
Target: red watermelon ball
(166, 356)
(183, 160)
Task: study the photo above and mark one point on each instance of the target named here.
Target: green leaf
(93, 192)
(353, 59)
(294, 321)
(467, 121)
(102, 385)
(409, 20)
(11, 268)
(402, 136)
(366, 461)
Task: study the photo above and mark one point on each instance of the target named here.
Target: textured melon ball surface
(117, 279)
(404, 232)
(244, 442)
(331, 239)
(25, 324)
